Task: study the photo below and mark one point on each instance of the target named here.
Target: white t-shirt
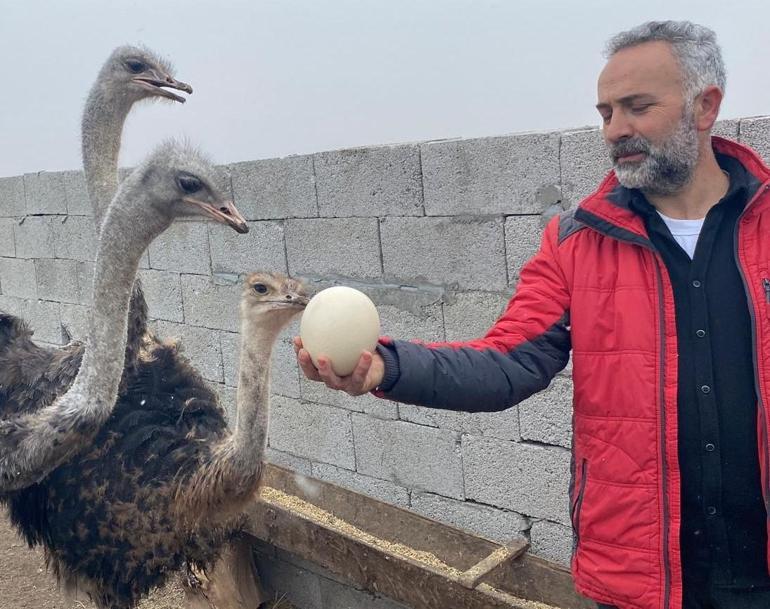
(685, 232)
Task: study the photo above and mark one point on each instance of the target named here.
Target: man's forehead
(643, 68)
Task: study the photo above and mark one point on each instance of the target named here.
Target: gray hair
(695, 48)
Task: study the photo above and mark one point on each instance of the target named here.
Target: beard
(666, 167)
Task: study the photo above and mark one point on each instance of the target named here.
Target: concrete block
(163, 293)
(183, 248)
(552, 541)
(755, 132)
(503, 425)
(275, 188)
(727, 128)
(74, 319)
(7, 244)
(410, 455)
(318, 393)
(12, 203)
(338, 596)
(261, 249)
(584, 163)
(516, 174)
(210, 302)
(522, 240)
(488, 522)
(44, 319)
(200, 345)
(547, 416)
(85, 272)
(379, 181)
(347, 247)
(17, 278)
(467, 252)
(76, 193)
(372, 487)
(470, 315)
(284, 375)
(300, 587)
(44, 193)
(426, 325)
(57, 279)
(231, 352)
(75, 238)
(11, 305)
(288, 461)
(528, 479)
(34, 238)
(316, 432)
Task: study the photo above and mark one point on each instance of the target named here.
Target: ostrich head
(272, 299)
(176, 182)
(138, 73)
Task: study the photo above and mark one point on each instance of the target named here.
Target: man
(659, 283)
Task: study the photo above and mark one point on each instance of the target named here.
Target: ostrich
(165, 482)
(174, 182)
(130, 74)
(31, 376)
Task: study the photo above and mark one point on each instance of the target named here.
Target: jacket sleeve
(519, 355)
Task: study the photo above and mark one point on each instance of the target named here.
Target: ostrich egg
(339, 323)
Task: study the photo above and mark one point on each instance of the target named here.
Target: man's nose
(617, 128)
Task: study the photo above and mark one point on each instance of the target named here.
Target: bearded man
(659, 284)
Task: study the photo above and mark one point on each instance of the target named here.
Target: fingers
(354, 384)
(306, 364)
(360, 374)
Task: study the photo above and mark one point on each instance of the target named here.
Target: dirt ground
(25, 583)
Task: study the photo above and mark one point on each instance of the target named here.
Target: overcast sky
(280, 77)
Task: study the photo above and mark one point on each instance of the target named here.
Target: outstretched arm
(519, 355)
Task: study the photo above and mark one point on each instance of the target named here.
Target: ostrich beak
(225, 213)
(156, 83)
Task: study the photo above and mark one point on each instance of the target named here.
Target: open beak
(160, 84)
(225, 213)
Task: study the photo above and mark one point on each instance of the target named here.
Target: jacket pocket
(577, 502)
(766, 291)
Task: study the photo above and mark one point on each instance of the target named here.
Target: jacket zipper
(664, 456)
(579, 502)
(664, 467)
(752, 313)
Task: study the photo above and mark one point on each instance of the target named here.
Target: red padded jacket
(598, 286)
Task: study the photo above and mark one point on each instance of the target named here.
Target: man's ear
(707, 106)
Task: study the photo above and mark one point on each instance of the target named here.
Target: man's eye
(640, 109)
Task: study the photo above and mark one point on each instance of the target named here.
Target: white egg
(339, 323)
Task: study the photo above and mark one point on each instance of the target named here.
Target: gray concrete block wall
(434, 232)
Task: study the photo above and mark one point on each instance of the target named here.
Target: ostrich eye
(135, 66)
(260, 288)
(189, 184)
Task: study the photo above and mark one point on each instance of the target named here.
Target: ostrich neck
(102, 128)
(117, 261)
(253, 398)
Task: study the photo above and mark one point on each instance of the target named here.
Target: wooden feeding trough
(417, 561)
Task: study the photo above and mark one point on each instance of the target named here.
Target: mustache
(632, 145)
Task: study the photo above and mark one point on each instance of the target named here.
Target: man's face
(649, 129)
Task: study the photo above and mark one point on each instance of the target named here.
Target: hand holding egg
(339, 323)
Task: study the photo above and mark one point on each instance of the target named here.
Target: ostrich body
(165, 481)
(32, 376)
(34, 443)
